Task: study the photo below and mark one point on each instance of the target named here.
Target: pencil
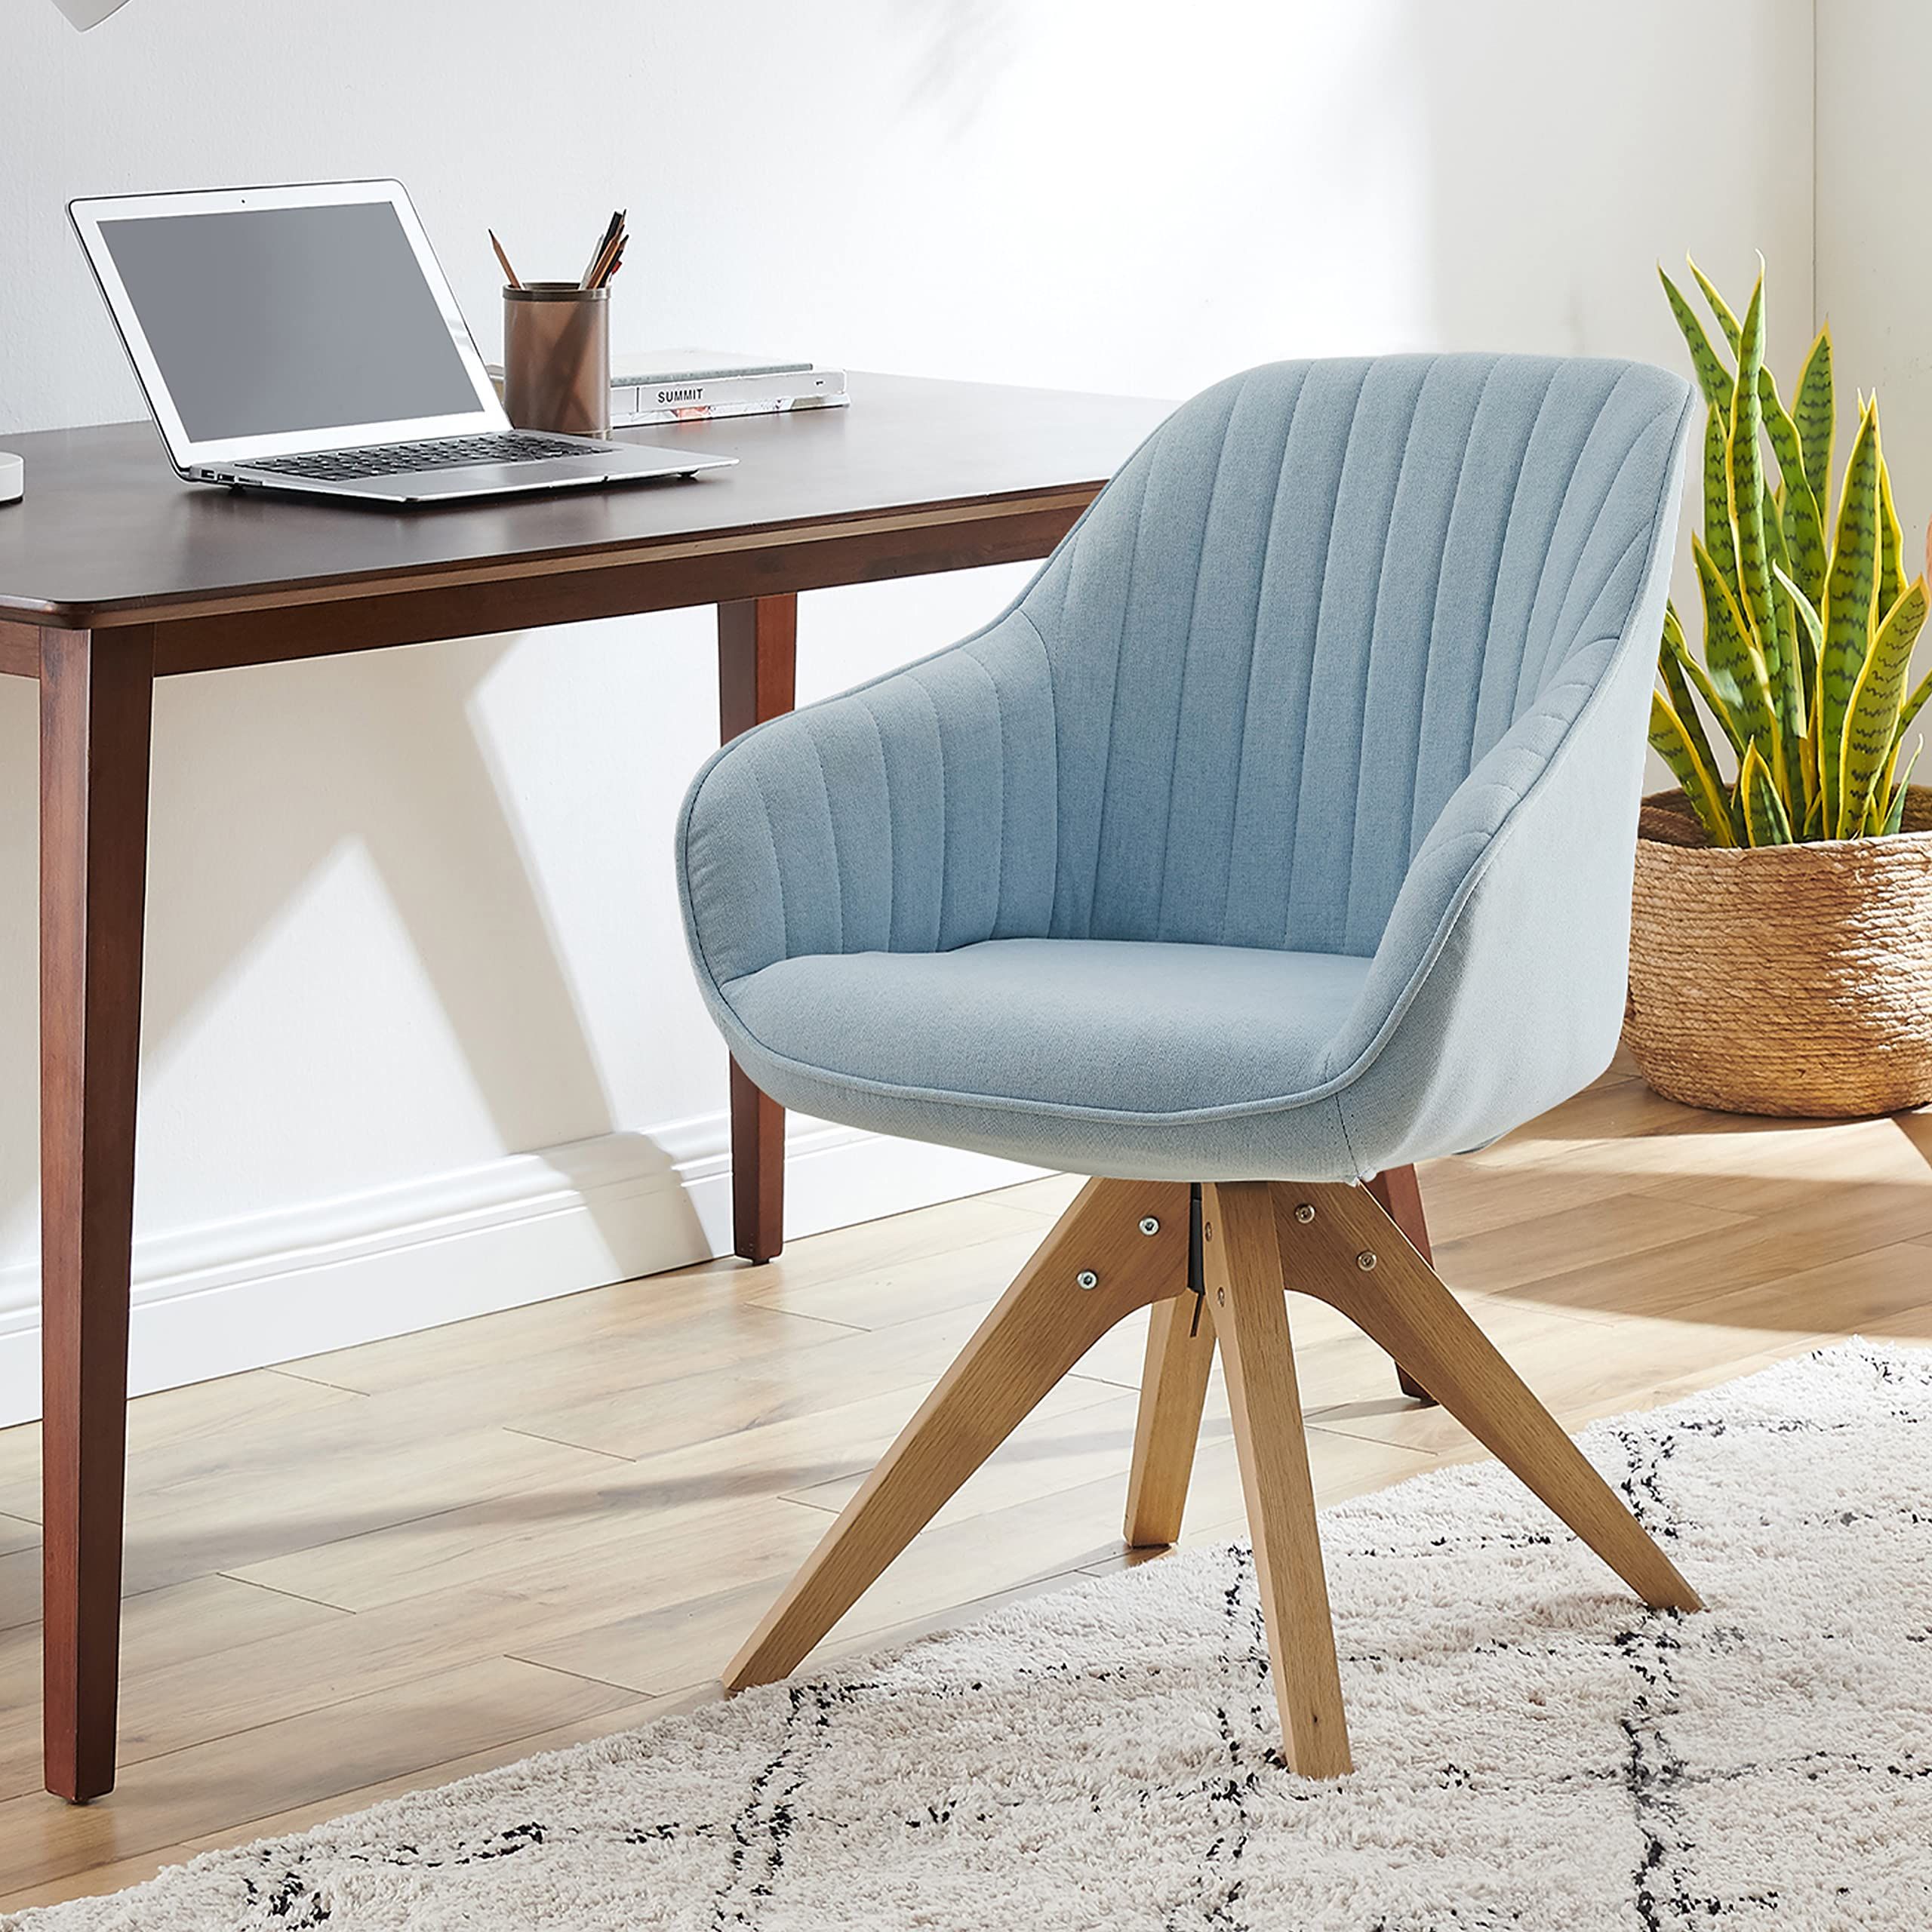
(597, 254)
(509, 273)
(594, 275)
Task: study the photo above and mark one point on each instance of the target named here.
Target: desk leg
(758, 656)
(96, 696)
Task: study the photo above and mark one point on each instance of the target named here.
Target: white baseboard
(273, 1288)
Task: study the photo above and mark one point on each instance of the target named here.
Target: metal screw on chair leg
(1305, 1212)
(1086, 1278)
(1148, 1225)
(1365, 1260)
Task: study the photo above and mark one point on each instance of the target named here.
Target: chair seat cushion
(1084, 1054)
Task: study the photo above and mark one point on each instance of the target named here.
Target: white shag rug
(1535, 1750)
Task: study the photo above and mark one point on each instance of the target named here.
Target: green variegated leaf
(1731, 655)
(1719, 307)
(1786, 444)
(1776, 554)
(1671, 670)
(1700, 682)
(1884, 794)
(1891, 542)
(1811, 626)
(1811, 650)
(1671, 744)
(1849, 591)
(1790, 694)
(1747, 517)
(1673, 661)
(1812, 410)
(1895, 813)
(1799, 524)
(1765, 820)
(1746, 465)
(1713, 378)
(1727, 719)
(1675, 641)
(1718, 539)
(1803, 530)
(1814, 819)
(1871, 723)
(1916, 703)
(1810, 632)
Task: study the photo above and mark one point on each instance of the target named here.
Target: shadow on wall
(964, 47)
(262, 779)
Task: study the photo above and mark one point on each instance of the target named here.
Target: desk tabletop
(107, 534)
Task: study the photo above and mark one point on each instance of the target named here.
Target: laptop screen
(266, 321)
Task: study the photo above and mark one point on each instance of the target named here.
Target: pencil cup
(557, 358)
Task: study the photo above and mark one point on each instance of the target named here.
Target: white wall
(1874, 269)
(411, 915)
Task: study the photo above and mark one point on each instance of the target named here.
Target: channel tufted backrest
(1302, 615)
(1236, 700)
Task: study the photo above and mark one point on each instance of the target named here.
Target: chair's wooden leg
(1351, 1255)
(1173, 1388)
(1041, 1327)
(1245, 1290)
(1400, 1194)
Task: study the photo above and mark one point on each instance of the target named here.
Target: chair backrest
(1298, 618)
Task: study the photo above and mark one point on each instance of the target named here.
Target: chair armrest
(916, 813)
(1498, 988)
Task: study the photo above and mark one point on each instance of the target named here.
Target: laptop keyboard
(404, 459)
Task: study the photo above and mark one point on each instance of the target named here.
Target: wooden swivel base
(1123, 1246)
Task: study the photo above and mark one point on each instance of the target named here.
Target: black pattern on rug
(1533, 1750)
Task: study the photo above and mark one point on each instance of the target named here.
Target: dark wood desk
(113, 573)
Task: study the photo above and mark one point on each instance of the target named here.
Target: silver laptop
(304, 338)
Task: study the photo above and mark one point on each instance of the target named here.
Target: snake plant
(1808, 634)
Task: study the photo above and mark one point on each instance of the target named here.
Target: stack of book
(689, 385)
(692, 385)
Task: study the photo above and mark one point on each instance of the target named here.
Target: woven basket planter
(1792, 980)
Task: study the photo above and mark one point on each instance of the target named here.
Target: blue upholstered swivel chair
(1277, 837)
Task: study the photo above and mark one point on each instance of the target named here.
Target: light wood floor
(386, 1568)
